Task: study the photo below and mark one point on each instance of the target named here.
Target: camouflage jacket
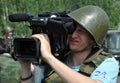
(9, 69)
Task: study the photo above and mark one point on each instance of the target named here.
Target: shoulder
(9, 69)
(107, 71)
(7, 62)
(110, 62)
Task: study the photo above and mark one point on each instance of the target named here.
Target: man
(8, 34)
(9, 69)
(86, 62)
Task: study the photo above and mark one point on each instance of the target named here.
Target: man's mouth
(73, 42)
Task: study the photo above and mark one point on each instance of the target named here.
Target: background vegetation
(35, 7)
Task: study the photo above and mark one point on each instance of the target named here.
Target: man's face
(79, 40)
(8, 35)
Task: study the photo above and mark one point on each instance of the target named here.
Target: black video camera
(57, 25)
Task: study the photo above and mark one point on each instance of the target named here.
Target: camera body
(57, 25)
(27, 48)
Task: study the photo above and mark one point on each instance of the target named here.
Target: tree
(36, 7)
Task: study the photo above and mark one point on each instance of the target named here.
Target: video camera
(57, 25)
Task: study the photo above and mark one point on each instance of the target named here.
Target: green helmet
(7, 29)
(94, 20)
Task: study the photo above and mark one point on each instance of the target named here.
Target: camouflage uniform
(7, 29)
(9, 70)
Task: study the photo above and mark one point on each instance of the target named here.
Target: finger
(41, 36)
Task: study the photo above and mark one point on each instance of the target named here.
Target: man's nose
(74, 34)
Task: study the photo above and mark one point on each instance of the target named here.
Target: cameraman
(86, 62)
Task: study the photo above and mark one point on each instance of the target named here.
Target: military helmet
(7, 29)
(94, 20)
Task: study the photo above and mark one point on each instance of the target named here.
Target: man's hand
(45, 48)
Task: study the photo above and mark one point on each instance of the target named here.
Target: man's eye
(80, 31)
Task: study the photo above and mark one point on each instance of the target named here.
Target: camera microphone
(19, 17)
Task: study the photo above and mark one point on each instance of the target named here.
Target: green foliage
(35, 7)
